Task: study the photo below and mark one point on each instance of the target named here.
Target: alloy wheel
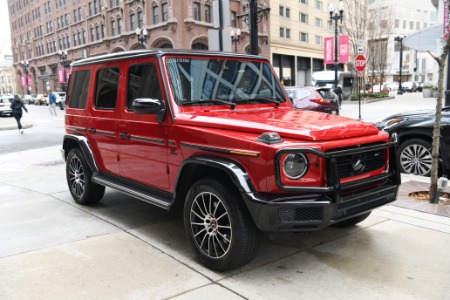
(211, 225)
(76, 176)
(416, 159)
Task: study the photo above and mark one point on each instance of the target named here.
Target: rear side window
(143, 82)
(78, 88)
(106, 88)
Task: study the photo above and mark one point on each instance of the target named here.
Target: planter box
(427, 93)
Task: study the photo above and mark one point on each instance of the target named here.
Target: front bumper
(308, 209)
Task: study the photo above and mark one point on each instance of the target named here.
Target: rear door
(102, 124)
(141, 139)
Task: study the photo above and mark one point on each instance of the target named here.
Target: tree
(437, 125)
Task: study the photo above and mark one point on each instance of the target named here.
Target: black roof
(159, 52)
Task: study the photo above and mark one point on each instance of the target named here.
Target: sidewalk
(122, 248)
(9, 123)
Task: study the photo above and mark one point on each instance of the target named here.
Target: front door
(141, 139)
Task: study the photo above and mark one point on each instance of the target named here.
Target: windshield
(197, 81)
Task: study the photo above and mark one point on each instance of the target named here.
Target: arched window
(113, 27)
(132, 21)
(119, 25)
(199, 46)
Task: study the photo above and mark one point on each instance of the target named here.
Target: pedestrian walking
(17, 106)
(338, 91)
(52, 103)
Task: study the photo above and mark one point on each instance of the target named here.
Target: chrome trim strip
(147, 140)
(108, 133)
(222, 150)
(82, 129)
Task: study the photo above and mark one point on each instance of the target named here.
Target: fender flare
(83, 144)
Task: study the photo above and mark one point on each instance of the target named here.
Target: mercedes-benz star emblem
(358, 162)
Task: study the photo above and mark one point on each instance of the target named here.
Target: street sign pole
(360, 65)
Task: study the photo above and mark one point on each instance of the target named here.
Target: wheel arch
(75, 141)
(197, 167)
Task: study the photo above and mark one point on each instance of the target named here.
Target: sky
(5, 33)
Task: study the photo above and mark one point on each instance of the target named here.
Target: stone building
(7, 75)
(42, 30)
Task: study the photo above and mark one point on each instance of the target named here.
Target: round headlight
(295, 165)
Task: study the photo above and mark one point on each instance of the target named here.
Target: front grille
(355, 205)
(300, 214)
(373, 160)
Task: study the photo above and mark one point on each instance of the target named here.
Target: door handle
(92, 130)
(124, 135)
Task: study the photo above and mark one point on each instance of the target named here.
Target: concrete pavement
(122, 248)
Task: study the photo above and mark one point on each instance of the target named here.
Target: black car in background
(415, 134)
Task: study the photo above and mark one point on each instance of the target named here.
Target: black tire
(61, 106)
(219, 226)
(414, 157)
(78, 175)
(352, 221)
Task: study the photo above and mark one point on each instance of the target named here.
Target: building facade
(297, 33)
(42, 29)
(406, 18)
(7, 75)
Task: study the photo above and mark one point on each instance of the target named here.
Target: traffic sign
(360, 63)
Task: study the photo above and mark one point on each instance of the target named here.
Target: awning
(424, 40)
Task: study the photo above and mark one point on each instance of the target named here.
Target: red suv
(215, 135)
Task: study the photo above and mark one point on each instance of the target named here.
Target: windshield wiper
(275, 100)
(204, 101)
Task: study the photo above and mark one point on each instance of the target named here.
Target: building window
(74, 39)
(197, 16)
(281, 11)
(318, 22)
(288, 12)
(319, 40)
(90, 8)
(119, 25)
(155, 15)
(79, 14)
(233, 19)
(288, 33)
(319, 4)
(92, 34)
(397, 23)
(282, 32)
(74, 15)
(208, 13)
(165, 13)
(132, 22)
(97, 32)
(417, 25)
(303, 18)
(303, 37)
(404, 24)
(411, 25)
(102, 27)
(68, 41)
(140, 19)
(95, 7)
(79, 38)
(84, 36)
(113, 27)
(304, 1)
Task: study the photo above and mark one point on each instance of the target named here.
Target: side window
(143, 82)
(106, 88)
(78, 88)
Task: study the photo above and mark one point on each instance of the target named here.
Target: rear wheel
(352, 221)
(79, 175)
(61, 106)
(219, 226)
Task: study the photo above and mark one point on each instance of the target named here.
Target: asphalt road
(46, 131)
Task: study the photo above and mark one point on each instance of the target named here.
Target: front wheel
(415, 157)
(219, 226)
(78, 175)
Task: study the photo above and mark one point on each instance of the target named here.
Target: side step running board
(139, 194)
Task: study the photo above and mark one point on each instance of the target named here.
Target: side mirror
(150, 106)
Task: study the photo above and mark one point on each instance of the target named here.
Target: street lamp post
(63, 60)
(400, 39)
(25, 64)
(336, 17)
(235, 38)
(141, 34)
(253, 17)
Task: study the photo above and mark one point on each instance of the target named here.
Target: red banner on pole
(68, 72)
(30, 79)
(328, 50)
(343, 49)
(61, 78)
(23, 80)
